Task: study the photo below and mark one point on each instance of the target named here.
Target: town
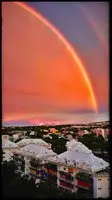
(68, 160)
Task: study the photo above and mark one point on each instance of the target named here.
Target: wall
(63, 168)
(101, 187)
(7, 155)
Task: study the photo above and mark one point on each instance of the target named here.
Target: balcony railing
(84, 185)
(66, 176)
(52, 172)
(62, 179)
(84, 179)
(66, 185)
(51, 166)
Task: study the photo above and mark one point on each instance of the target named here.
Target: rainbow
(95, 27)
(71, 50)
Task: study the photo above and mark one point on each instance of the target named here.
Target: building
(5, 137)
(8, 147)
(53, 130)
(17, 136)
(77, 170)
(31, 158)
(47, 136)
(32, 133)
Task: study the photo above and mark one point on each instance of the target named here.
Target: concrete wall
(101, 186)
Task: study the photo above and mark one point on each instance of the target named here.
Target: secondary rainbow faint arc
(95, 27)
(67, 45)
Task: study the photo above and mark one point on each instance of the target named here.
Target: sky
(54, 62)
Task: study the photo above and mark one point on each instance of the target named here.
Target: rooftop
(74, 145)
(8, 144)
(36, 151)
(25, 142)
(78, 155)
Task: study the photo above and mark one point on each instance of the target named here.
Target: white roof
(36, 151)
(24, 142)
(8, 144)
(83, 160)
(74, 145)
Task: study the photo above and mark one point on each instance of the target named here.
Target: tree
(19, 139)
(15, 186)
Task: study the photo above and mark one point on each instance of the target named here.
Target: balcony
(66, 185)
(84, 185)
(52, 172)
(51, 166)
(87, 178)
(62, 179)
(65, 188)
(65, 176)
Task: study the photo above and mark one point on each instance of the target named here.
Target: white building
(5, 137)
(8, 147)
(33, 158)
(47, 136)
(79, 159)
(32, 133)
(84, 160)
(74, 170)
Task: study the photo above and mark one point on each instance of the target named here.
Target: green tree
(15, 186)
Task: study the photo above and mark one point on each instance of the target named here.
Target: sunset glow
(43, 73)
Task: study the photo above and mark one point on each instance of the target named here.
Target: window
(64, 168)
(99, 179)
(99, 188)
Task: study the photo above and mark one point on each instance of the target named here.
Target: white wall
(63, 168)
(103, 184)
(7, 155)
(27, 163)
